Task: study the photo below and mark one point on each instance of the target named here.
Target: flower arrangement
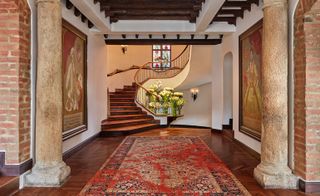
(161, 99)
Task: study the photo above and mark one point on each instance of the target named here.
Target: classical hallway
(271, 172)
(88, 160)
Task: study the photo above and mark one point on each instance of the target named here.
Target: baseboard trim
(79, 146)
(309, 187)
(17, 170)
(247, 149)
(227, 126)
(191, 126)
(217, 130)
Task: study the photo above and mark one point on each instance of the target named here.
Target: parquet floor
(89, 159)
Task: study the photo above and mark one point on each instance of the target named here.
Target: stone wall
(307, 90)
(15, 80)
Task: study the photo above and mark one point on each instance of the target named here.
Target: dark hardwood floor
(89, 159)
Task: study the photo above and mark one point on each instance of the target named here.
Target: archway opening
(227, 90)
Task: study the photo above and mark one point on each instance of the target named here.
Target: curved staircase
(125, 116)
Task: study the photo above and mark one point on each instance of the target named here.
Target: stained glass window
(161, 56)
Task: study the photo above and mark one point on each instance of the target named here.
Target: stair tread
(121, 97)
(124, 106)
(111, 122)
(126, 120)
(132, 127)
(128, 115)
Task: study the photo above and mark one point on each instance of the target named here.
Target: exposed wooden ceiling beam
(92, 13)
(147, 17)
(163, 41)
(236, 13)
(229, 13)
(210, 8)
(242, 4)
(230, 20)
(155, 5)
(157, 12)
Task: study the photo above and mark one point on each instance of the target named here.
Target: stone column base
(47, 176)
(275, 178)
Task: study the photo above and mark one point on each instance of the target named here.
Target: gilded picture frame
(74, 72)
(250, 64)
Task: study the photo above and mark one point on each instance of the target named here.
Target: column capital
(274, 3)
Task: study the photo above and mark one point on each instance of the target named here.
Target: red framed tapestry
(250, 61)
(74, 58)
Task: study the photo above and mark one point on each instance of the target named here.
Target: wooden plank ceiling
(230, 10)
(151, 9)
(171, 9)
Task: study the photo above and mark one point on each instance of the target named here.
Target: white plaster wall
(197, 112)
(121, 79)
(136, 55)
(96, 83)
(200, 67)
(175, 81)
(231, 44)
(217, 88)
(227, 87)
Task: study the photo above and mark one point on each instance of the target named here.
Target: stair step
(114, 103)
(130, 88)
(123, 96)
(129, 129)
(125, 107)
(119, 99)
(124, 123)
(123, 112)
(128, 116)
(125, 91)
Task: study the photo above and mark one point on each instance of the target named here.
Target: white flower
(179, 94)
(168, 89)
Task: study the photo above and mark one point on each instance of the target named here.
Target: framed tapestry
(74, 62)
(250, 61)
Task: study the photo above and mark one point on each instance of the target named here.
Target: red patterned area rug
(164, 166)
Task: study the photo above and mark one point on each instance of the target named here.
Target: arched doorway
(227, 89)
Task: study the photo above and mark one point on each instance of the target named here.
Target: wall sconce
(194, 93)
(124, 49)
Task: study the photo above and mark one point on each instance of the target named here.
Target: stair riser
(128, 118)
(121, 100)
(129, 89)
(109, 132)
(128, 124)
(117, 108)
(125, 112)
(123, 104)
(125, 91)
(122, 96)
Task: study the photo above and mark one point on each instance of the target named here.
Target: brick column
(273, 171)
(14, 82)
(307, 97)
(49, 169)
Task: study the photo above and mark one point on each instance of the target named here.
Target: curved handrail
(145, 72)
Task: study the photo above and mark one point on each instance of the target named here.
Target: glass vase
(174, 110)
